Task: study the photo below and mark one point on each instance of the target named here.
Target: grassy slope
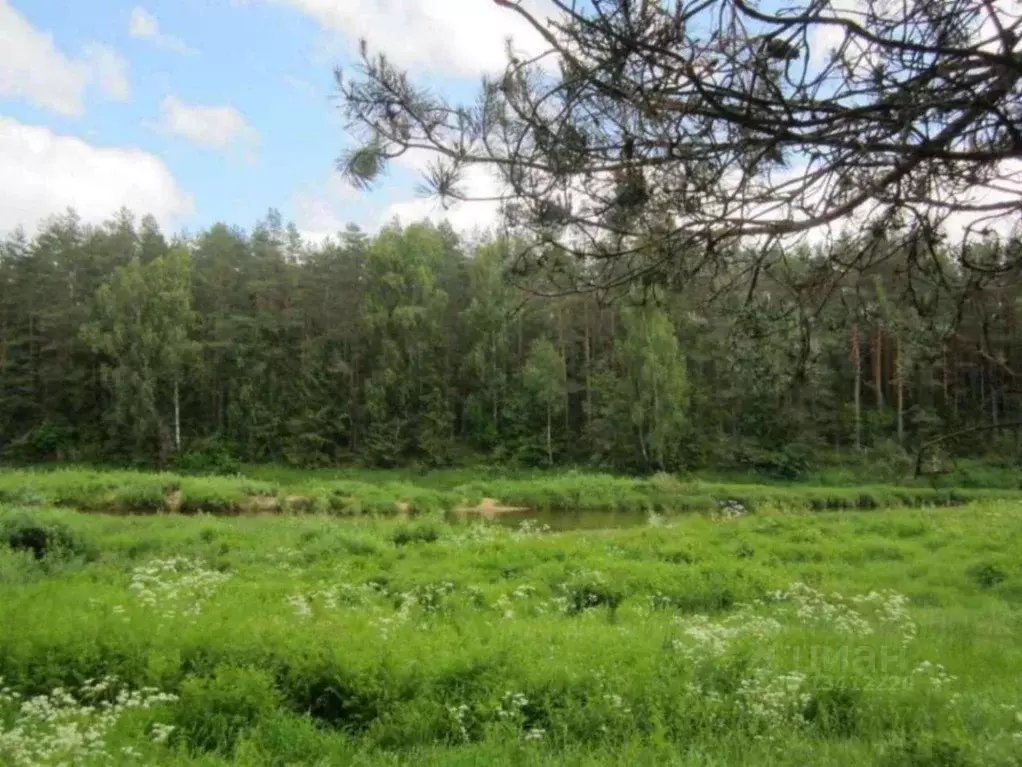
(357, 491)
(326, 642)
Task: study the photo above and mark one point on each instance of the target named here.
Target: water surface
(568, 519)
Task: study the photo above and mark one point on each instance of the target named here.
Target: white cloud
(34, 69)
(145, 26)
(109, 71)
(216, 127)
(452, 37)
(45, 173)
(477, 183)
(326, 208)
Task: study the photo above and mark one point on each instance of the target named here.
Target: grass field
(781, 637)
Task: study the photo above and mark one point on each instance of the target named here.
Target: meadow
(780, 632)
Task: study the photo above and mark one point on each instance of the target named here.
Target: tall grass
(776, 638)
(362, 492)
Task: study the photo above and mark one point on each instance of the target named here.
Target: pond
(563, 519)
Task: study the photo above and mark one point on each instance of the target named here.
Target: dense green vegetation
(415, 347)
(355, 492)
(889, 637)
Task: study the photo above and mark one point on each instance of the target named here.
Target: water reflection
(573, 519)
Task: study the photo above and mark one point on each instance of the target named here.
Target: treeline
(413, 347)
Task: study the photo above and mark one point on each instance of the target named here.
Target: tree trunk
(521, 342)
(549, 441)
(496, 386)
(564, 356)
(857, 363)
(353, 404)
(589, 362)
(993, 399)
(878, 368)
(642, 445)
(982, 390)
(953, 386)
(899, 372)
(943, 373)
(177, 417)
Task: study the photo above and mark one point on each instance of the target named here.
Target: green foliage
(219, 495)
(926, 751)
(545, 378)
(315, 641)
(655, 383)
(215, 712)
(414, 348)
(366, 492)
(987, 575)
(141, 329)
(420, 533)
(590, 593)
(22, 531)
(47, 441)
(792, 462)
(144, 494)
(207, 456)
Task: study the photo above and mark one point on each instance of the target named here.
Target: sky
(199, 111)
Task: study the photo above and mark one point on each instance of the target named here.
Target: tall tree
(654, 372)
(545, 378)
(141, 327)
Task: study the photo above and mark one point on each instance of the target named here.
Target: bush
(415, 534)
(24, 532)
(214, 712)
(215, 495)
(141, 496)
(46, 442)
(926, 751)
(986, 575)
(585, 595)
(207, 456)
(790, 463)
(887, 461)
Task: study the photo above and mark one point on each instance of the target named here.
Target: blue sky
(206, 110)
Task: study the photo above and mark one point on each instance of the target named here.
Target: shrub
(585, 595)
(46, 442)
(215, 495)
(22, 495)
(834, 711)
(141, 496)
(208, 456)
(986, 575)
(888, 461)
(24, 532)
(214, 712)
(423, 533)
(791, 462)
(925, 752)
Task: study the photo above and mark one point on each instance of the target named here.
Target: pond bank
(493, 495)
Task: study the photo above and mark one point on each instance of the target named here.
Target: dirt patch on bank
(490, 507)
(258, 503)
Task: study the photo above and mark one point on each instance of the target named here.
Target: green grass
(308, 639)
(355, 492)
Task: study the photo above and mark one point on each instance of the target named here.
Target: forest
(415, 346)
